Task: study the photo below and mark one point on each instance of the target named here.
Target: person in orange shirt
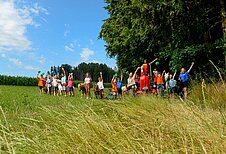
(114, 89)
(40, 83)
(160, 83)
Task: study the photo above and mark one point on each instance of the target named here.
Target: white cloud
(69, 47)
(86, 53)
(2, 55)
(13, 25)
(30, 68)
(20, 64)
(66, 33)
(91, 42)
(15, 61)
(41, 60)
(37, 9)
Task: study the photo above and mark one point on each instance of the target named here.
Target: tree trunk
(223, 16)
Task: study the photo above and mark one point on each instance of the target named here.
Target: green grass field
(31, 123)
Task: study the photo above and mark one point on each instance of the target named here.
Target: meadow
(31, 123)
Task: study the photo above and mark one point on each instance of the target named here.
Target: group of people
(146, 81)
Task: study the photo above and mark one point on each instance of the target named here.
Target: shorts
(40, 87)
(184, 84)
(63, 88)
(172, 90)
(130, 87)
(120, 91)
(70, 89)
(160, 86)
(55, 88)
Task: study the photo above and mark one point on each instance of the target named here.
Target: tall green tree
(176, 31)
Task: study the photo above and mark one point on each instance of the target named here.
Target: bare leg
(185, 92)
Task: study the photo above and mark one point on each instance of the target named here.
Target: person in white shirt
(131, 81)
(100, 85)
(87, 83)
(63, 82)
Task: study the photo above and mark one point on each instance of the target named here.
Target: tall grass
(146, 124)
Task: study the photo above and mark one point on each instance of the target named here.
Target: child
(119, 86)
(88, 82)
(71, 84)
(131, 85)
(114, 89)
(160, 83)
(59, 86)
(55, 85)
(63, 82)
(171, 85)
(100, 85)
(184, 80)
(40, 83)
(49, 85)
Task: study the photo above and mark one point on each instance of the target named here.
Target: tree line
(176, 31)
(18, 81)
(79, 71)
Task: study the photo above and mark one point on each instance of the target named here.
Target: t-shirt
(172, 83)
(119, 84)
(70, 83)
(160, 80)
(55, 83)
(88, 80)
(40, 82)
(114, 86)
(184, 77)
(100, 85)
(63, 80)
(130, 81)
(49, 83)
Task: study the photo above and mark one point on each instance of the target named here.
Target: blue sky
(37, 34)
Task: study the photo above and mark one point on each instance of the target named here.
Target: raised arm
(113, 78)
(136, 71)
(153, 61)
(192, 64)
(64, 71)
(101, 76)
(121, 76)
(163, 73)
(174, 74)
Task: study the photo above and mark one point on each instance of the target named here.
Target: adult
(184, 80)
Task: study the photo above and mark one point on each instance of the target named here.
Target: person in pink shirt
(71, 84)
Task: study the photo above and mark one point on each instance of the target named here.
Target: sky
(38, 34)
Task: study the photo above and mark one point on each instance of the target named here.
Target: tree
(177, 32)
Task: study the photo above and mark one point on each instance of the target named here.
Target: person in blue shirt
(119, 86)
(184, 80)
(171, 85)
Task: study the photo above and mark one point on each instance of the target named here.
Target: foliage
(94, 69)
(31, 123)
(79, 72)
(177, 32)
(18, 81)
